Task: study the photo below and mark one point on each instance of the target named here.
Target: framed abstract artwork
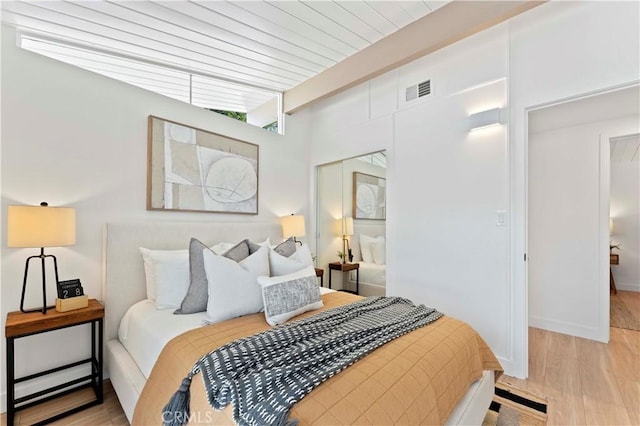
(191, 169)
(369, 197)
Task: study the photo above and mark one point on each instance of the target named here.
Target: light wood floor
(108, 413)
(585, 382)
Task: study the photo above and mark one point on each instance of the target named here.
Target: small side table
(613, 260)
(320, 273)
(345, 267)
(21, 324)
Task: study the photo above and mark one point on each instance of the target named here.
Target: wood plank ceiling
(170, 46)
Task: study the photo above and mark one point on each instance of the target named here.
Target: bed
(372, 274)
(148, 382)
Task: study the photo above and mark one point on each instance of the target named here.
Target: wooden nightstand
(613, 260)
(320, 273)
(21, 324)
(345, 267)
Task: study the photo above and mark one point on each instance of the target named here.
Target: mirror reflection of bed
(368, 245)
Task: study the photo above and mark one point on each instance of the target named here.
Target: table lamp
(40, 226)
(293, 226)
(346, 230)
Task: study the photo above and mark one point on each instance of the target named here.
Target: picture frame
(369, 197)
(194, 170)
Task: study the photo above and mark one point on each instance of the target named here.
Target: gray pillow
(196, 298)
(286, 248)
(197, 294)
(239, 252)
(253, 247)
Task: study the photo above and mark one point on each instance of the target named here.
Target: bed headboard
(124, 279)
(372, 228)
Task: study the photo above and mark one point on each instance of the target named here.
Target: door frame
(519, 202)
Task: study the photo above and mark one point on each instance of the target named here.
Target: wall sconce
(40, 226)
(344, 228)
(293, 226)
(487, 118)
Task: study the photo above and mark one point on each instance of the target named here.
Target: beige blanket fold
(415, 379)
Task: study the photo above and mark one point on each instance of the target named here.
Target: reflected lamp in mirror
(293, 226)
(40, 226)
(344, 228)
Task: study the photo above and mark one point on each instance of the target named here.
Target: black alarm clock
(69, 288)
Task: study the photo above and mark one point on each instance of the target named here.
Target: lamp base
(42, 258)
(44, 309)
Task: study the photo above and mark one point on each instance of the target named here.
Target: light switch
(500, 217)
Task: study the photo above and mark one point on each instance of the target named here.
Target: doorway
(568, 210)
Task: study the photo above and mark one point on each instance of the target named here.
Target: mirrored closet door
(351, 215)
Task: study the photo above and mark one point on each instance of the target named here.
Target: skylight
(376, 158)
(193, 88)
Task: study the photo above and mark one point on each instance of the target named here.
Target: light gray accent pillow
(286, 296)
(286, 248)
(197, 294)
(233, 286)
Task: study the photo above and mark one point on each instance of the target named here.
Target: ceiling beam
(445, 26)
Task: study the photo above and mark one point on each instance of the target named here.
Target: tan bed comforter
(415, 379)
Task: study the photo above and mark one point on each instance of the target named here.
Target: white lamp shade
(344, 226)
(347, 226)
(292, 226)
(41, 226)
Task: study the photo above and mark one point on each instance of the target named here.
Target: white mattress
(371, 273)
(144, 330)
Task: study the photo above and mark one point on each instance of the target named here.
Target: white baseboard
(40, 383)
(592, 333)
(371, 290)
(628, 287)
(508, 367)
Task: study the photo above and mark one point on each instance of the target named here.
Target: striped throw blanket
(265, 374)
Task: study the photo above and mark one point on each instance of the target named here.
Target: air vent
(418, 90)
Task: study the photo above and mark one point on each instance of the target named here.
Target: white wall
(443, 245)
(625, 209)
(79, 139)
(445, 185)
(568, 255)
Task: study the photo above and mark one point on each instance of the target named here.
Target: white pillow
(282, 265)
(378, 250)
(303, 255)
(365, 247)
(167, 276)
(289, 295)
(233, 287)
